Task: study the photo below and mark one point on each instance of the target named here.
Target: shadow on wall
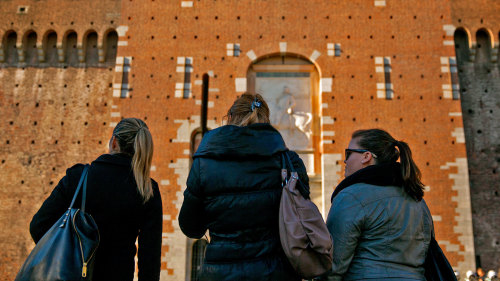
(93, 52)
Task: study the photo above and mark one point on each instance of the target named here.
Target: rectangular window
(387, 78)
(455, 86)
(188, 68)
(125, 80)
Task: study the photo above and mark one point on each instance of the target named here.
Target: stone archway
(290, 85)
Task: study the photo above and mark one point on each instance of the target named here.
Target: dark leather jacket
(378, 232)
(234, 190)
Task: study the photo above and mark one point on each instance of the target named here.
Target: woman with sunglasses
(380, 225)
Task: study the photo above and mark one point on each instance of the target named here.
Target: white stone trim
(251, 55)
(315, 55)
(240, 84)
(283, 47)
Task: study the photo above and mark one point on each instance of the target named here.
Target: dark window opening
(50, 48)
(30, 49)
(461, 46)
(111, 45)
(71, 50)
(91, 51)
(11, 57)
(483, 50)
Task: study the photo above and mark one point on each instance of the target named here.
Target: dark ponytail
(410, 172)
(390, 150)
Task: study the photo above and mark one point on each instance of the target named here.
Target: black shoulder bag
(437, 267)
(67, 250)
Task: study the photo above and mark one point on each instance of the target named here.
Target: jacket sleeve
(191, 218)
(56, 204)
(149, 252)
(345, 222)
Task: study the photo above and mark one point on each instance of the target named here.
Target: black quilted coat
(234, 190)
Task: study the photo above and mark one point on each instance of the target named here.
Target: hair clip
(256, 104)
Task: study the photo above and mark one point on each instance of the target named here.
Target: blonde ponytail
(141, 162)
(135, 140)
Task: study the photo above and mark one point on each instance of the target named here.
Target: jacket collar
(120, 159)
(387, 174)
(256, 140)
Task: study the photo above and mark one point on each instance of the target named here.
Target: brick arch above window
(49, 43)
(110, 46)
(484, 44)
(70, 46)
(462, 45)
(30, 50)
(91, 48)
(9, 43)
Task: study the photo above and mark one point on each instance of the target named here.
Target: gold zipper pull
(84, 270)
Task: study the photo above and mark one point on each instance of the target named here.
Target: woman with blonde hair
(122, 199)
(234, 190)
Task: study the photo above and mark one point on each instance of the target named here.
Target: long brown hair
(135, 140)
(248, 109)
(387, 149)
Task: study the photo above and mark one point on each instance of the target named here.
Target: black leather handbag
(437, 267)
(67, 250)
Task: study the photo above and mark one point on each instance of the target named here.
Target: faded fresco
(289, 101)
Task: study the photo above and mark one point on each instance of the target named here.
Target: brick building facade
(70, 70)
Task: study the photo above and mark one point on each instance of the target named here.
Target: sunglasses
(348, 152)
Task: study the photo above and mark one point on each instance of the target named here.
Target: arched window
(10, 52)
(30, 50)
(110, 46)
(290, 85)
(197, 258)
(91, 52)
(483, 46)
(461, 46)
(50, 48)
(71, 49)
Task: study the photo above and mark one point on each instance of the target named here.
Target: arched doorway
(290, 85)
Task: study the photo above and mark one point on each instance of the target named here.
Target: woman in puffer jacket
(234, 190)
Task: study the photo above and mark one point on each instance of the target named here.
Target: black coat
(116, 206)
(234, 190)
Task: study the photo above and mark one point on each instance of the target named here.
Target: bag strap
(284, 170)
(82, 178)
(284, 175)
(289, 162)
(84, 192)
(284, 159)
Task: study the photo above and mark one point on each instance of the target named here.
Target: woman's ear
(367, 159)
(114, 147)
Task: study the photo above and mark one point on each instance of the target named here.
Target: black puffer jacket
(234, 190)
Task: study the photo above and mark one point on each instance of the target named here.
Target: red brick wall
(155, 34)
